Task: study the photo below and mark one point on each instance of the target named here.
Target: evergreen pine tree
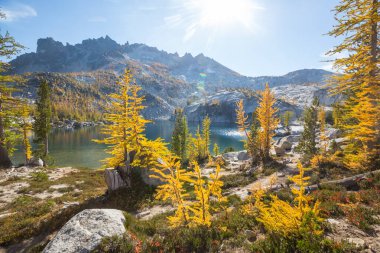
(286, 120)
(180, 136)
(307, 144)
(8, 104)
(42, 120)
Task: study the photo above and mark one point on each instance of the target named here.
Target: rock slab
(84, 232)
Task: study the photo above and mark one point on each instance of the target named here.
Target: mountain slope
(168, 80)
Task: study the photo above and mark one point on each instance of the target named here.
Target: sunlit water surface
(76, 148)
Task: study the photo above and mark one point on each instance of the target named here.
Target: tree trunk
(345, 182)
(5, 161)
(46, 149)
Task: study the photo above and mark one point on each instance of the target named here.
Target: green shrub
(235, 180)
(228, 149)
(40, 176)
(115, 244)
(309, 244)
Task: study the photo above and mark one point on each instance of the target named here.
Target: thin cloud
(328, 60)
(18, 12)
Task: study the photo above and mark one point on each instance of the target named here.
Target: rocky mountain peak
(48, 45)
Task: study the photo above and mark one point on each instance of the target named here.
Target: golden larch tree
(266, 113)
(26, 128)
(173, 178)
(281, 218)
(358, 24)
(127, 126)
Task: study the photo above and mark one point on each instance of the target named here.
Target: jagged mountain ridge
(106, 54)
(168, 80)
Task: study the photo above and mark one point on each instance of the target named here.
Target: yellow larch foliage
(266, 113)
(188, 213)
(241, 117)
(251, 131)
(280, 217)
(206, 123)
(174, 178)
(127, 126)
(358, 22)
(216, 149)
(200, 208)
(26, 128)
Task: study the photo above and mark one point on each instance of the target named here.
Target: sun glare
(217, 13)
(214, 16)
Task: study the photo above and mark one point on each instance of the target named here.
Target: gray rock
(358, 242)
(146, 175)
(221, 106)
(242, 155)
(281, 132)
(341, 140)
(113, 179)
(35, 162)
(282, 145)
(332, 133)
(84, 232)
(232, 156)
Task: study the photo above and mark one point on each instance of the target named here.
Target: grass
(35, 216)
(235, 180)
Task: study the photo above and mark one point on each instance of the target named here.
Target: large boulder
(113, 179)
(146, 175)
(243, 155)
(84, 232)
(236, 156)
(332, 133)
(35, 162)
(282, 145)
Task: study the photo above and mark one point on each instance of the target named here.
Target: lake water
(76, 148)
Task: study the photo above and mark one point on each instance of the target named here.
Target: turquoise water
(76, 148)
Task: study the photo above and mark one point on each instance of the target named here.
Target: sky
(252, 37)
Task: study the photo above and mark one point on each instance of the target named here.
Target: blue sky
(252, 37)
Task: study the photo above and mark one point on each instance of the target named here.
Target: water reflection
(76, 148)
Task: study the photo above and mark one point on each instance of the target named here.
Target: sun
(212, 17)
(220, 13)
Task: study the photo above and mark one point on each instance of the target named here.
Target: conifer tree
(8, 104)
(180, 136)
(216, 149)
(200, 209)
(42, 120)
(308, 142)
(126, 131)
(198, 147)
(322, 129)
(266, 114)
(358, 22)
(284, 219)
(26, 128)
(337, 115)
(173, 178)
(206, 123)
(286, 120)
(251, 131)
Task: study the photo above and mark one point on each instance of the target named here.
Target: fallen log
(345, 182)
